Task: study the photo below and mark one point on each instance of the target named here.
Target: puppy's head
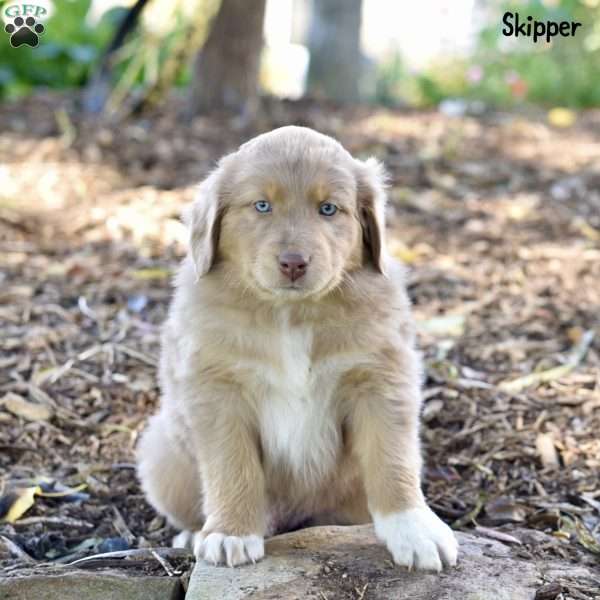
(289, 214)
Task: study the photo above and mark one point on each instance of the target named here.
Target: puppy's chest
(298, 414)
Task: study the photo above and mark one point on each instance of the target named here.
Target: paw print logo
(24, 31)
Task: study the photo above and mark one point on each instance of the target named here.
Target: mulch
(498, 217)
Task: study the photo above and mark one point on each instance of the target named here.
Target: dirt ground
(497, 216)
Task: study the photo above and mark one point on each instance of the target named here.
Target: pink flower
(475, 74)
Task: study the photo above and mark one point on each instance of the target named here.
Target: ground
(498, 218)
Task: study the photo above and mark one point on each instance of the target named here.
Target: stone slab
(343, 562)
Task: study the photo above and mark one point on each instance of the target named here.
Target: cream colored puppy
(290, 381)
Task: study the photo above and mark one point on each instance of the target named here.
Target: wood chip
(20, 407)
(547, 450)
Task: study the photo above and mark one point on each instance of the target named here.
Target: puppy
(290, 382)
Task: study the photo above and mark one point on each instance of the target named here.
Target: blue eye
(262, 206)
(328, 209)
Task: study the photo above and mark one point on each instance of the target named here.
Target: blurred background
(389, 53)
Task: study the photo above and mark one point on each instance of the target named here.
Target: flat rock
(82, 585)
(330, 563)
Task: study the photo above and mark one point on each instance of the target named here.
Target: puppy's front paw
(218, 548)
(417, 538)
(185, 540)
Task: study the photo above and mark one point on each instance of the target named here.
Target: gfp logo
(24, 28)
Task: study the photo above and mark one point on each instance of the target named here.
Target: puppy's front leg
(234, 489)
(386, 438)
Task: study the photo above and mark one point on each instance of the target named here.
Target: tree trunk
(98, 89)
(334, 44)
(226, 69)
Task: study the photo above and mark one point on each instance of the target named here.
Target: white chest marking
(298, 421)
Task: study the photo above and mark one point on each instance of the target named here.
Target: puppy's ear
(203, 218)
(371, 185)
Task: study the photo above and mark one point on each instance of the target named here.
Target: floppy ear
(371, 185)
(203, 217)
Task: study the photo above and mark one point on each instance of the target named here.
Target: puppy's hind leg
(170, 480)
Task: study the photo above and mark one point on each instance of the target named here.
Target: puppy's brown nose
(292, 265)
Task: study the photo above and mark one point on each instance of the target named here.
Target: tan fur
(283, 406)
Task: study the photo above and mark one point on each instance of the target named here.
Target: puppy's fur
(288, 403)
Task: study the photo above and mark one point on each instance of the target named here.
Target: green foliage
(65, 56)
(564, 72)
(505, 71)
(397, 84)
(500, 71)
(70, 49)
(391, 77)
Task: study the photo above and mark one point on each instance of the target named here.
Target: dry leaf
(20, 407)
(577, 355)
(575, 334)
(63, 492)
(17, 502)
(573, 526)
(402, 252)
(561, 117)
(452, 325)
(151, 273)
(586, 538)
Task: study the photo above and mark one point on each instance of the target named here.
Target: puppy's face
(290, 213)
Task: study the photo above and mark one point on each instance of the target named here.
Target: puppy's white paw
(417, 538)
(218, 548)
(184, 539)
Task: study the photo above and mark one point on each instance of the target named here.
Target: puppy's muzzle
(292, 265)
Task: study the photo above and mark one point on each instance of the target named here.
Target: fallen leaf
(40, 376)
(57, 490)
(585, 537)
(452, 325)
(32, 411)
(402, 252)
(151, 273)
(577, 355)
(17, 502)
(470, 516)
(572, 526)
(442, 370)
(561, 117)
